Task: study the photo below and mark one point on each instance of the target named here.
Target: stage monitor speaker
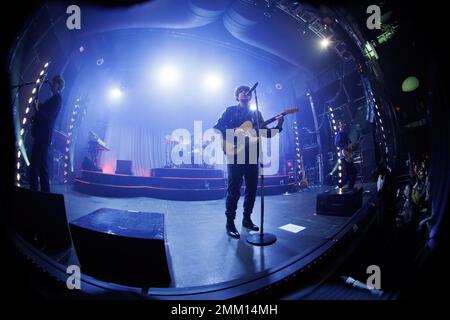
(41, 219)
(338, 202)
(123, 167)
(122, 247)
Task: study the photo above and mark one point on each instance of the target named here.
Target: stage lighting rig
(317, 25)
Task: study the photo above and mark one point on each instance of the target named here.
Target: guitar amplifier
(339, 202)
(124, 167)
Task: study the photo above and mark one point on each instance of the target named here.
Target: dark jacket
(233, 117)
(44, 120)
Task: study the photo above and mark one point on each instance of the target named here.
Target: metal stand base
(259, 239)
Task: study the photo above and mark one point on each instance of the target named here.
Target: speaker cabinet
(40, 218)
(123, 167)
(338, 202)
(122, 247)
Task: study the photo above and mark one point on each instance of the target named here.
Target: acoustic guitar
(247, 130)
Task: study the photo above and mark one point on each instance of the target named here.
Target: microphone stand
(18, 87)
(24, 84)
(261, 238)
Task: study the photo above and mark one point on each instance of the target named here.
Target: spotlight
(253, 106)
(168, 76)
(212, 81)
(278, 86)
(324, 43)
(46, 65)
(100, 61)
(115, 93)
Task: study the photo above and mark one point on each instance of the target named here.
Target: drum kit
(193, 150)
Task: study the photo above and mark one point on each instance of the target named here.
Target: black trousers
(236, 174)
(39, 166)
(349, 174)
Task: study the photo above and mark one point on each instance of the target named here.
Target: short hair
(59, 81)
(240, 89)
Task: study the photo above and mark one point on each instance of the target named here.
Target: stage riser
(166, 182)
(186, 173)
(176, 183)
(175, 194)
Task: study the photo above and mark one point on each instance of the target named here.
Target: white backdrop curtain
(143, 145)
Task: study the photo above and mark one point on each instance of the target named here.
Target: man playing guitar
(346, 147)
(232, 118)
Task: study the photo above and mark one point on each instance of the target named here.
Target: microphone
(249, 92)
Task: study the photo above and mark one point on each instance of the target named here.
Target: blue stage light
(168, 76)
(212, 81)
(324, 43)
(115, 93)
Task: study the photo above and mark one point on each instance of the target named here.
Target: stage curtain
(143, 145)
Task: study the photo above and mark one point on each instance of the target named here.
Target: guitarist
(343, 142)
(41, 130)
(232, 118)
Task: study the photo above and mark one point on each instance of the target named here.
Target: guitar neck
(269, 121)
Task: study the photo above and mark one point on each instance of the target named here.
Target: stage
(184, 184)
(199, 251)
